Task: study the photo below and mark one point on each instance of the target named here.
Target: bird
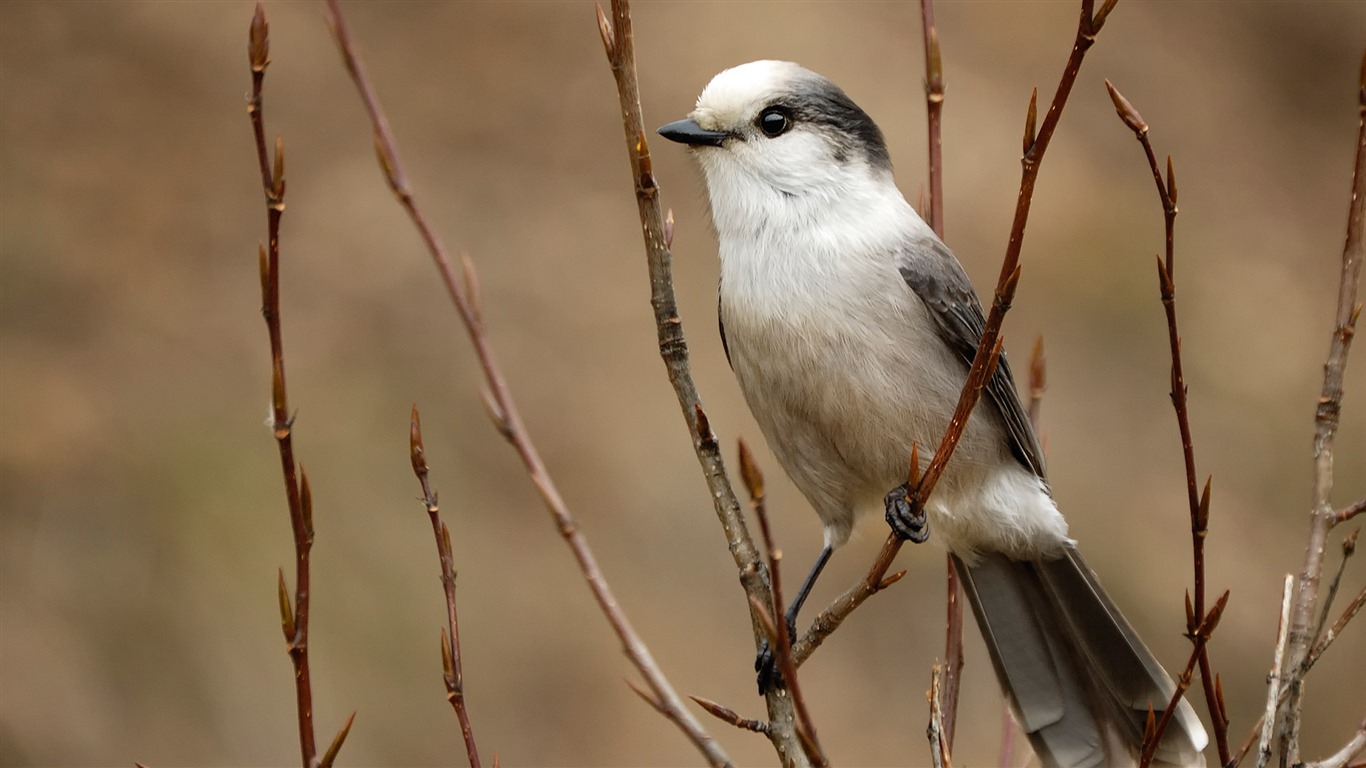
(850, 328)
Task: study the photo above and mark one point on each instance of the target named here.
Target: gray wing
(938, 279)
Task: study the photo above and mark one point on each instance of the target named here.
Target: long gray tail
(1077, 675)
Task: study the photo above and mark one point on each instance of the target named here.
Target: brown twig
(1201, 637)
(728, 715)
(452, 671)
(1326, 418)
(939, 744)
(1198, 501)
(782, 645)
(504, 409)
(294, 615)
(988, 349)
(953, 601)
(1273, 680)
(1350, 511)
(657, 229)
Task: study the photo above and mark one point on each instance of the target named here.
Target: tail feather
(1077, 675)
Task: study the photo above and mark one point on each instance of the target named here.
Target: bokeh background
(141, 509)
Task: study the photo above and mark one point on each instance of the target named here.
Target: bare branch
(510, 423)
(1273, 680)
(452, 670)
(1201, 636)
(1198, 501)
(782, 647)
(1326, 417)
(294, 617)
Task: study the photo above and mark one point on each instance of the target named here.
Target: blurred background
(142, 514)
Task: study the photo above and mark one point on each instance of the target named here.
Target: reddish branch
(452, 672)
(503, 409)
(293, 614)
(1326, 417)
(989, 348)
(953, 601)
(1198, 501)
(1200, 637)
(779, 639)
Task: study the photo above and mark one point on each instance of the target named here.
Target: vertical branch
(463, 291)
(780, 641)
(989, 347)
(618, 41)
(953, 600)
(1198, 501)
(1273, 680)
(452, 672)
(294, 617)
(1326, 416)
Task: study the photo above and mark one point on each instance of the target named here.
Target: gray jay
(850, 328)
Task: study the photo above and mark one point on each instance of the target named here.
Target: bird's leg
(907, 522)
(765, 664)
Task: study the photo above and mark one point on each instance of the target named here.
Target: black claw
(766, 663)
(767, 666)
(907, 523)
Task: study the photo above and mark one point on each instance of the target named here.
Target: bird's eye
(774, 122)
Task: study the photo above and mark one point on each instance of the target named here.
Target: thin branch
(1198, 501)
(657, 229)
(953, 601)
(939, 743)
(294, 617)
(1350, 511)
(1326, 418)
(989, 347)
(1349, 750)
(1352, 609)
(806, 727)
(452, 670)
(1273, 680)
(509, 421)
(728, 715)
(1202, 635)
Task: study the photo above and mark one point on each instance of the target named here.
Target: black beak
(689, 132)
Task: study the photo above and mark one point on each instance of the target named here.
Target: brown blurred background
(141, 508)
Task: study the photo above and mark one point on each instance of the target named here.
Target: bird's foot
(907, 522)
(766, 663)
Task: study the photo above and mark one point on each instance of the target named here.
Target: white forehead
(740, 90)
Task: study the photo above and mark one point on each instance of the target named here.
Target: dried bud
(669, 229)
(1126, 111)
(286, 612)
(330, 756)
(750, 473)
(258, 40)
(1031, 118)
(934, 69)
(415, 450)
